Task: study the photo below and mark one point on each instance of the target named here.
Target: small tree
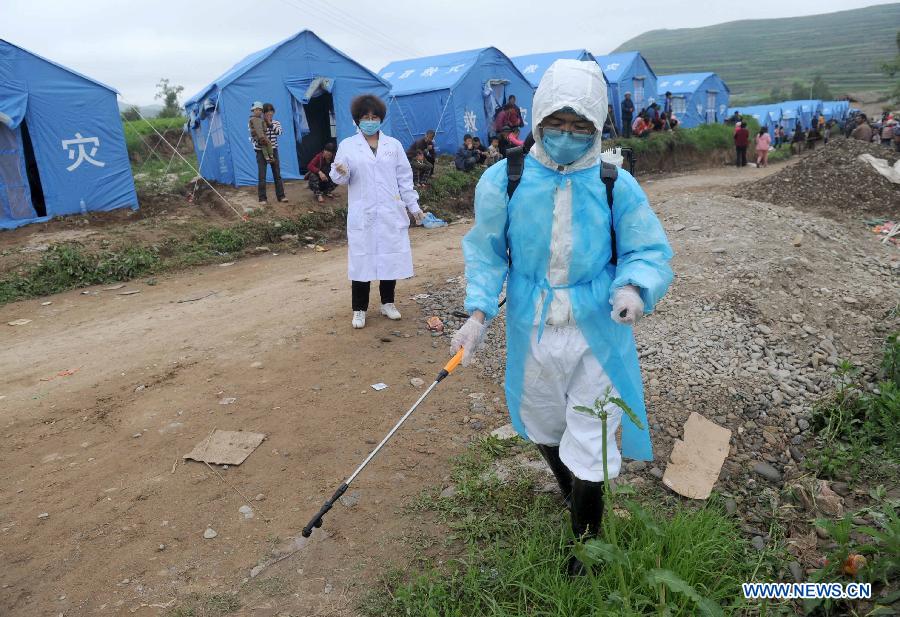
(131, 114)
(820, 89)
(891, 69)
(169, 96)
(777, 94)
(798, 91)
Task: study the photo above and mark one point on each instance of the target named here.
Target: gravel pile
(749, 335)
(831, 180)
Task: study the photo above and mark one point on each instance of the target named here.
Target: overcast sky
(130, 45)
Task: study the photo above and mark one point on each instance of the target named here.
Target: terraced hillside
(753, 56)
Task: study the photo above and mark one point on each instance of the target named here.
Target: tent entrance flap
(15, 198)
(314, 118)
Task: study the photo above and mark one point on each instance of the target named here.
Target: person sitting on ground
(258, 131)
(656, 121)
(425, 144)
(763, 141)
(513, 138)
(493, 154)
(480, 150)
(317, 170)
(422, 169)
(466, 159)
(673, 121)
(641, 126)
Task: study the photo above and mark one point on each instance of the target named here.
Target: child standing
(494, 151)
(763, 141)
(258, 131)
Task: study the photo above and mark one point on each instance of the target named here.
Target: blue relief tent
(310, 84)
(766, 115)
(62, 145)
(836, 110)
(697, 98)
(628, 72)
(453, 94)
(533, 66)
(806, 110)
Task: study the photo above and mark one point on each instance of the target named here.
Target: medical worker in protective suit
(571, 304)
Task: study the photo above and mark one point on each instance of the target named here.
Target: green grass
(515, 546)
(70, 265)
(755, 55)
(858, 430)
(137, 130)
(703, 138)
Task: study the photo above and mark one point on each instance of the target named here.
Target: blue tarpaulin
(62, 146)
(533, 66)
(697, 98)
(628, 72)
(453, 94)
(310, 84)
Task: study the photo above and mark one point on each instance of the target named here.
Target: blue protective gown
(523, 227)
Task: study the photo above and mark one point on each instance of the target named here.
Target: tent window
(14, 201)
(711, 106)
(638, 85)
(216, 130)
(679, 105)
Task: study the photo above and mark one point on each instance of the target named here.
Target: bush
(703, 138)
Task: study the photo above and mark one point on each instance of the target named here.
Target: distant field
(753, 56)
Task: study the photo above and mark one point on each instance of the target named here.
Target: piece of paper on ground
(226, 447)
(697, 460)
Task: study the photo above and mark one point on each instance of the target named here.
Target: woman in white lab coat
(379, 196)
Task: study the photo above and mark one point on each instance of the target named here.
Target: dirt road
(103, 393)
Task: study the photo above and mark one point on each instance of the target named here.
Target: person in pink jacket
(763, 141)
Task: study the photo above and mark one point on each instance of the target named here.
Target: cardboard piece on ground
(226, 447)
(697, 460)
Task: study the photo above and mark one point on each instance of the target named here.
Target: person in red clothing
(741, 139)
(317, 172)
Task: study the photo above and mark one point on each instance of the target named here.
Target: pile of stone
(833, 181)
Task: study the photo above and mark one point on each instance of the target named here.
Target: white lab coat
(380, 194)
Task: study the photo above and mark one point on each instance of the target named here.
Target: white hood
(578, 85)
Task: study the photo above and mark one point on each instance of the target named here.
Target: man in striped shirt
(273, 130)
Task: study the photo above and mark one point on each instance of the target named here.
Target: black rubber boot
(587, 511)
(560, 471)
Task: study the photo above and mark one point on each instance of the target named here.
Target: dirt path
(99, 450)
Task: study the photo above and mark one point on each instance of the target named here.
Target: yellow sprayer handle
(454, 361)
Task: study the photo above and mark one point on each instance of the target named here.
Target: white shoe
(359, 319)
(390, 311)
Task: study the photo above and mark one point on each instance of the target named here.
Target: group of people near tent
(884, 130)
(649, 119)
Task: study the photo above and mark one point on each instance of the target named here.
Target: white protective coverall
(563, 348)
(380, 194)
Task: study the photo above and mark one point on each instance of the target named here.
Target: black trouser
(360, 292)
(626, 126)
(276, 175)
(741, 155)
(319, 186)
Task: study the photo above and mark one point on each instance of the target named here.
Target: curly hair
(367, 104)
